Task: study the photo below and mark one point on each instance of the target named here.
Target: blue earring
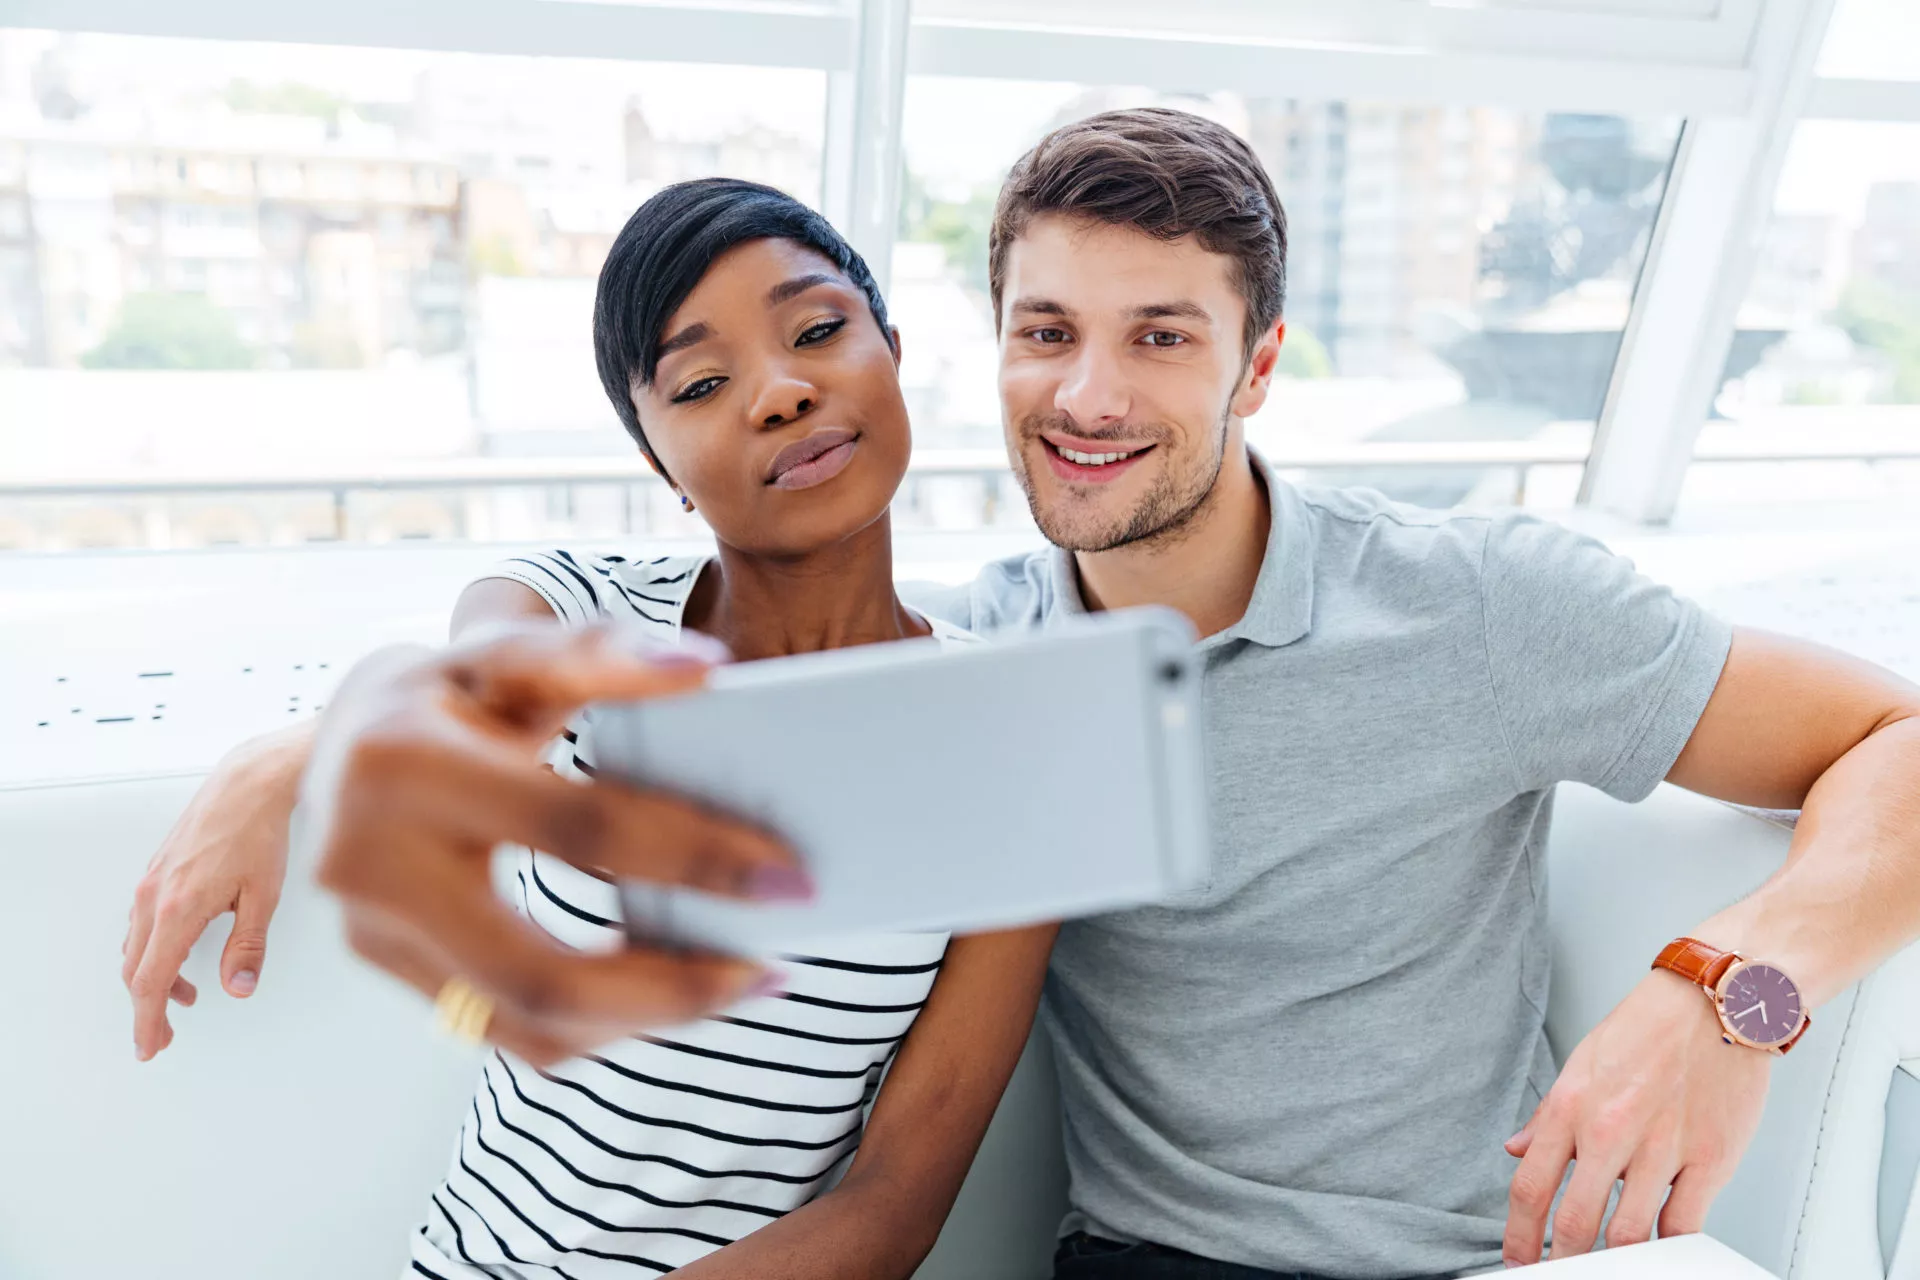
(686, 502)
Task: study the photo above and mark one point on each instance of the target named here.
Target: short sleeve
(1599, 674)
(560, 579)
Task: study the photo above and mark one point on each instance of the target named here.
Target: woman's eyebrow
(788, 290)
(687, 337)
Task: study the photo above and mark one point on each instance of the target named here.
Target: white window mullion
(1696, 274)
(861, 191)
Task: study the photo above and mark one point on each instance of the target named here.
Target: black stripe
(818, 1073)
(652, 582)
(459, 1238)
(635, 1192)
(570, 735)
(627, 595)
(702, 1236)
(762, 1104)
(851, 967)
(566, 906)
(500, 1244)
(538, 1230)
(565, 590)
(803, 1035)
(427, 1271)
(657, 1122)
(586, 583)
(847, 1007)
(585, 768)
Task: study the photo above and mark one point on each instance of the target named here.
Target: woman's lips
(815, 460)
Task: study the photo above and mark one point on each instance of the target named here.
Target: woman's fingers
(549, 1002)
(475, 790)
(533, 676)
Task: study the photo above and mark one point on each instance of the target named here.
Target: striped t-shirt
(656, 1150)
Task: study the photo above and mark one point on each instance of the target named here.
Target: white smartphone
(1036, 777)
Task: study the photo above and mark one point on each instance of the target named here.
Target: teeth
(1092, 459)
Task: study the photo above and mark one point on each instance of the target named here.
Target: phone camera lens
(1172, 672)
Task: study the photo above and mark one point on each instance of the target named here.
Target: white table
(1681, 1258)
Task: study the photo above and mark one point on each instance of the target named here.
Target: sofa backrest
(297, 1134)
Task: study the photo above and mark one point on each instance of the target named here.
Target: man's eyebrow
(788, 290)
(1039, 307)
(1173, 311)
(692, 335)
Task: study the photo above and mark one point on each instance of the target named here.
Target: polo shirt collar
(1281, 610)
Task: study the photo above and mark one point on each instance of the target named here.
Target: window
(1873, 40)
(278, 259)
(1827, 347)
(1458, 275)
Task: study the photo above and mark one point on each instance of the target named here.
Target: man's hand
(227, 852)
(427, 760)
(1651, 1096)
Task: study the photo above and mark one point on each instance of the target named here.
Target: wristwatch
(1758, 1005)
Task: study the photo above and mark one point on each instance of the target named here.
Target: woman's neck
(767, 606)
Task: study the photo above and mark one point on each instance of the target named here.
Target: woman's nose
(782, 401)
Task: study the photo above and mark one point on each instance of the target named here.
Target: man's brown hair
(1163, 172)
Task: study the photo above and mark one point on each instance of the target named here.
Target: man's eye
(1048, 337)
(1164, 338)
(819, 332)
(697, 390)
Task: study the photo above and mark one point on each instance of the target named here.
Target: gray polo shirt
(1311, 1063)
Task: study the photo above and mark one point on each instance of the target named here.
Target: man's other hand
(1652, 1098)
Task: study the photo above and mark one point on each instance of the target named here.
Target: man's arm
(228, 850)
(1652, 1096)
(1792, 725)
(926, 1125)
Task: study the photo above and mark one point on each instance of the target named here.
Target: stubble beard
(1166, 515)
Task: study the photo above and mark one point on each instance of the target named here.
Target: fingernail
(770, 982)
(244, 982)
(705, 647)
(780, 884)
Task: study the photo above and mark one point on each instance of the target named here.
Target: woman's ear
(893, 340)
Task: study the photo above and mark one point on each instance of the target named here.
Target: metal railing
(1520, 457)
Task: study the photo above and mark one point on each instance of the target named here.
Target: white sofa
(296, 1135)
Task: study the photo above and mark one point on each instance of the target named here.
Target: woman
(746, 349)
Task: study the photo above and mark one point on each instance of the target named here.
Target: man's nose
(1093, 391)
(780, 400)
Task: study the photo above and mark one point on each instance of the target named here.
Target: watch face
(1761, 1003)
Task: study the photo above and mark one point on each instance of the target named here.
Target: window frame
(1741, 72)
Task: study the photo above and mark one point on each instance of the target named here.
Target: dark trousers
(1085, 1257)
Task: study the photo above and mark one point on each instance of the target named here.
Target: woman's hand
(227, 852)
(426, 760)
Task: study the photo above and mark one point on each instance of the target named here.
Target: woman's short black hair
(665, 249)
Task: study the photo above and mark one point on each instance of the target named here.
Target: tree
(1888, 321)
(170, 331)
(960, 227)
(1302, 355)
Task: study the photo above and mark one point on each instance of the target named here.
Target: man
(1309, 1065)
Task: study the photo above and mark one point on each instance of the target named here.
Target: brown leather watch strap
(1695, 961)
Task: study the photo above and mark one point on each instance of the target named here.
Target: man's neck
(1208, 570)
(839, 596)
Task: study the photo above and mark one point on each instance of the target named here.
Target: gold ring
(463, 1012)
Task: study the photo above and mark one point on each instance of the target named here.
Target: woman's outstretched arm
(882, 1219)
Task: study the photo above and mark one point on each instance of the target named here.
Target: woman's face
(776, 406)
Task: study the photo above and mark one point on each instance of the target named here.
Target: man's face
(1122, 378)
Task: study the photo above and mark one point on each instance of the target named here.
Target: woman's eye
(697, 390)
(819, 332)
(1164, 338)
